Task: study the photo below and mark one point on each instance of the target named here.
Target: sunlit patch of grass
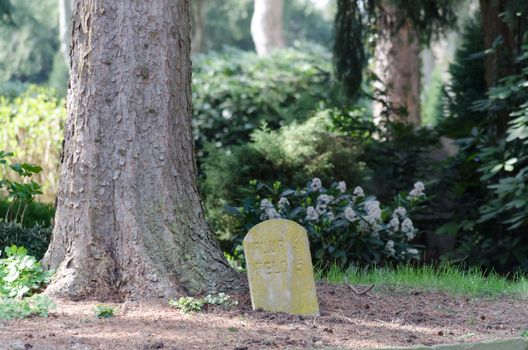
(471, 282)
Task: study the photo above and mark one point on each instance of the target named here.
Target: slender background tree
(267, 26)
(65, 27)
(391, 31)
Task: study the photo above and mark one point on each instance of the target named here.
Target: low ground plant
(36, 305)
(21, 277)
(103, 311)
(192, 304)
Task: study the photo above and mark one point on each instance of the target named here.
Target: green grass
(472, 282)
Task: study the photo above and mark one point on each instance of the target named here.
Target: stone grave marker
(279, 268)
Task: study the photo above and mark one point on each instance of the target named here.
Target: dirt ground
(347, 320)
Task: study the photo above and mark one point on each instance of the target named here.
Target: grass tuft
(450, 279)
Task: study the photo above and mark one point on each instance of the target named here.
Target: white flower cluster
(283, 203)
(265, 204)
(400, 212)
(417, 191)
(269, 210)
(389, 247)
(408, 228)
(412, 251)
(316, 185)
(400, 222)
(341, 187)
(321, 208)
(394, 225)
(373, 210)
(311, 214)
(350, 214)
(358, 192)
(322, 203)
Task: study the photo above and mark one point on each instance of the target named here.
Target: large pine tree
(129, 219)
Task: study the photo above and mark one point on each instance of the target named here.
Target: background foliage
(32, 126)
(301, 113)
(235, 91)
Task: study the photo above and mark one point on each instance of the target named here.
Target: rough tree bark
(398, 64)
(129, 219)
(266, 26)
(65, 28)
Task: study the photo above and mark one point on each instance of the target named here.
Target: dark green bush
(35, 238)
(503, 165)
(489, 174)
(292, 155)
(37, 213)
(235, 91)
(400, 157)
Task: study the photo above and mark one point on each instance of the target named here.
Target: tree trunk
(198, 10)
(398, 65)
(129, 219)
(266, 26)
(500, 62)
(65, 28)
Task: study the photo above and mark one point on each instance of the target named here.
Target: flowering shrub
(343, 226)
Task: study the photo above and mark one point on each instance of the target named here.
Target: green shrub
(293, 154)
(36, 214)
(32, 126)
(27, 47)
(35, 238)
(502, 163)
(489, 174)
(344, 226)
(459, 191)
(12, 89)
(235, 91)
(58, 76)
(23, 222)
(401, 155)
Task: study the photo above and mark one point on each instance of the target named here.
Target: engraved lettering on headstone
(280, 268)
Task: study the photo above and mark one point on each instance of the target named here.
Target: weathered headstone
(279, 268)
